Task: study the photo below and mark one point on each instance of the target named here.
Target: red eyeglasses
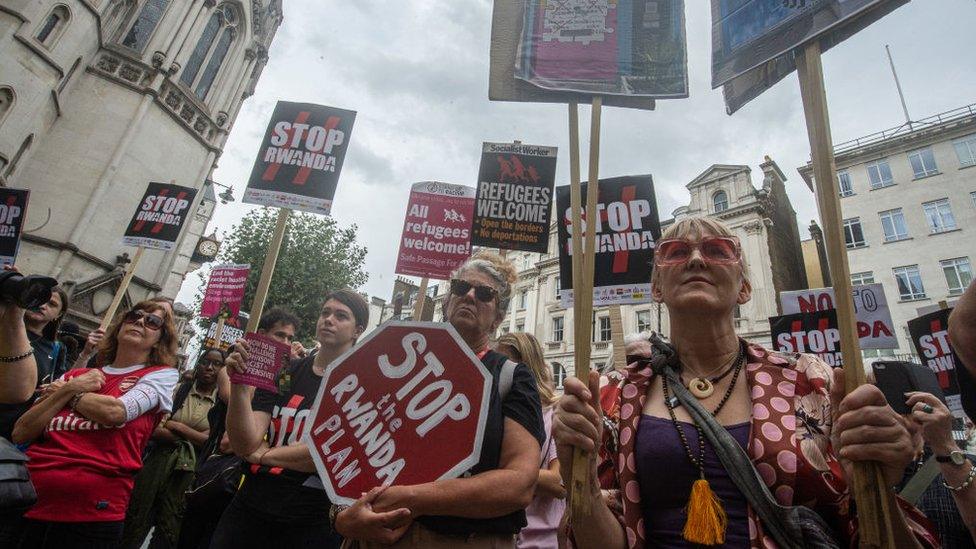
(718, 250)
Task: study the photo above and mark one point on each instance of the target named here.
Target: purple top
(666, 474)
(544, 513)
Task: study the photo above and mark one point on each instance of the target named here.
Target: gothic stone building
(100, 97)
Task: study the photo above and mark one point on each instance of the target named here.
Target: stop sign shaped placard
(406, 405)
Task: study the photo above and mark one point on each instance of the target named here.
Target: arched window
(6, 101)
(210, 51)
(53, 26)
(116, 16)
(720, 202)
(144, 25)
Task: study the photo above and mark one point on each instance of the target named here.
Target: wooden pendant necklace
(704, 387)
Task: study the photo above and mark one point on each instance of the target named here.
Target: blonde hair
(695, 228)
(530, 353)
(501, 271)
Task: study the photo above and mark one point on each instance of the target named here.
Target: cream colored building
(908, 199)
(762, 218)
(100, 97)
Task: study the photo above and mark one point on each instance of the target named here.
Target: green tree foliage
(317, 256)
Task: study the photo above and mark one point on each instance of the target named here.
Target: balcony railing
(907, 128)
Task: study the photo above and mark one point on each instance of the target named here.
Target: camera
(28, 292)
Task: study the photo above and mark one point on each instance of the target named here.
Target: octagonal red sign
(406, 405)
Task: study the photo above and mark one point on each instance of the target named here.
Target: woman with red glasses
(88, 432)
(668, 485)
(486, 507)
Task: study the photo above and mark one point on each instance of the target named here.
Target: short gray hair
(491, 269)
(638, 336)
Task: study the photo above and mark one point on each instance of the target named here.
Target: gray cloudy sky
(417, 74)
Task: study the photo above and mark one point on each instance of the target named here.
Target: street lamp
(227, 195)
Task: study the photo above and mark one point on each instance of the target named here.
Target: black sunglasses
(149, 320)
(637, 358)
(483, 293)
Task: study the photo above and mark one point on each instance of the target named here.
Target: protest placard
(436, 231)
(160, 217)
(815, 332)
(265, 358)
(930, 336)
(407, 405)
(13, 210)
(232, 330)
(300, 158)
(634, 48)
(514, 197)
(225, 290)
(626, 230)
(752, 40)
(875, 329)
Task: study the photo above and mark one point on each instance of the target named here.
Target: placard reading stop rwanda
(160, 216)
(514, 197)
(13, 204)
(436, 231)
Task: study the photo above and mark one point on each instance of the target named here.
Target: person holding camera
(87, 433)
(41, 325)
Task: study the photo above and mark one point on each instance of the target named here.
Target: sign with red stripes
(160, 216)
(13, 208)
(627, 227)
(930, 336)
(300, 157)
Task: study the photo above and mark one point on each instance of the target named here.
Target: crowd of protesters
(123, 454)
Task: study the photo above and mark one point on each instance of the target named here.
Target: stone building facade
(100, 97)
(764, 221)
(908, 200)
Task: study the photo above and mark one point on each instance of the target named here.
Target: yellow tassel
(706, 518)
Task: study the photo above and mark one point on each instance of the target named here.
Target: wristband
(18, 358)
(964, 485)
(73, 403)
(334, 511)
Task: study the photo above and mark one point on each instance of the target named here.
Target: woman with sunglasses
(87, 436)
(787, 412)
(485, 507)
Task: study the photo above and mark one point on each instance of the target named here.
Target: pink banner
(265, 358)
(225, 291)
(437, 230)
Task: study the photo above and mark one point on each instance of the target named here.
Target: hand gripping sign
(406, 406)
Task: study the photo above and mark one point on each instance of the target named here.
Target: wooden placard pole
(120, 293)
(583, 263)
(418, 305)
(868, 483)
(219, 330)
(267, 272)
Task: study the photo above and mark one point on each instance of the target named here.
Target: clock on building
(206, 250)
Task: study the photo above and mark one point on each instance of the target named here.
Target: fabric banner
(225, 290)
(875, 329)
(815, 333)
(436, 231)
(13, 209)
(754, 41)
(160, 216)
(514, 197)
(300, 158)
(610, 47)
(627, 228)
(930, 335)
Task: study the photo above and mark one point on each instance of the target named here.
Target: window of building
(880, 174)
(523, 299)
(720, 201)
(923, 162)
(53, 26)
(909, 283)
(939, 215)
(853, 233)
(142, 28)
(860, 279)
(116, 16)
(643, 321)
(520, 326)
(972, 196)
(558, 375)
(557, 328)
(893, 224)
(958, 274)
(210, 50)
(966, 150)
(844, 183)
(604, 323)
(505, 329)
(556, 287)
(6, 101)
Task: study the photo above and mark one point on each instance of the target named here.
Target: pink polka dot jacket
(789, 445)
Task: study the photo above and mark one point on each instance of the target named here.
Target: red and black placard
(161, 214)
(13, 208)
(814, 332)
(930, 336)
(300, 158)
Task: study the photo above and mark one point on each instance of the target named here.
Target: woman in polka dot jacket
(787, 411)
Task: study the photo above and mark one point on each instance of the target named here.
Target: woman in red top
(87, 433)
